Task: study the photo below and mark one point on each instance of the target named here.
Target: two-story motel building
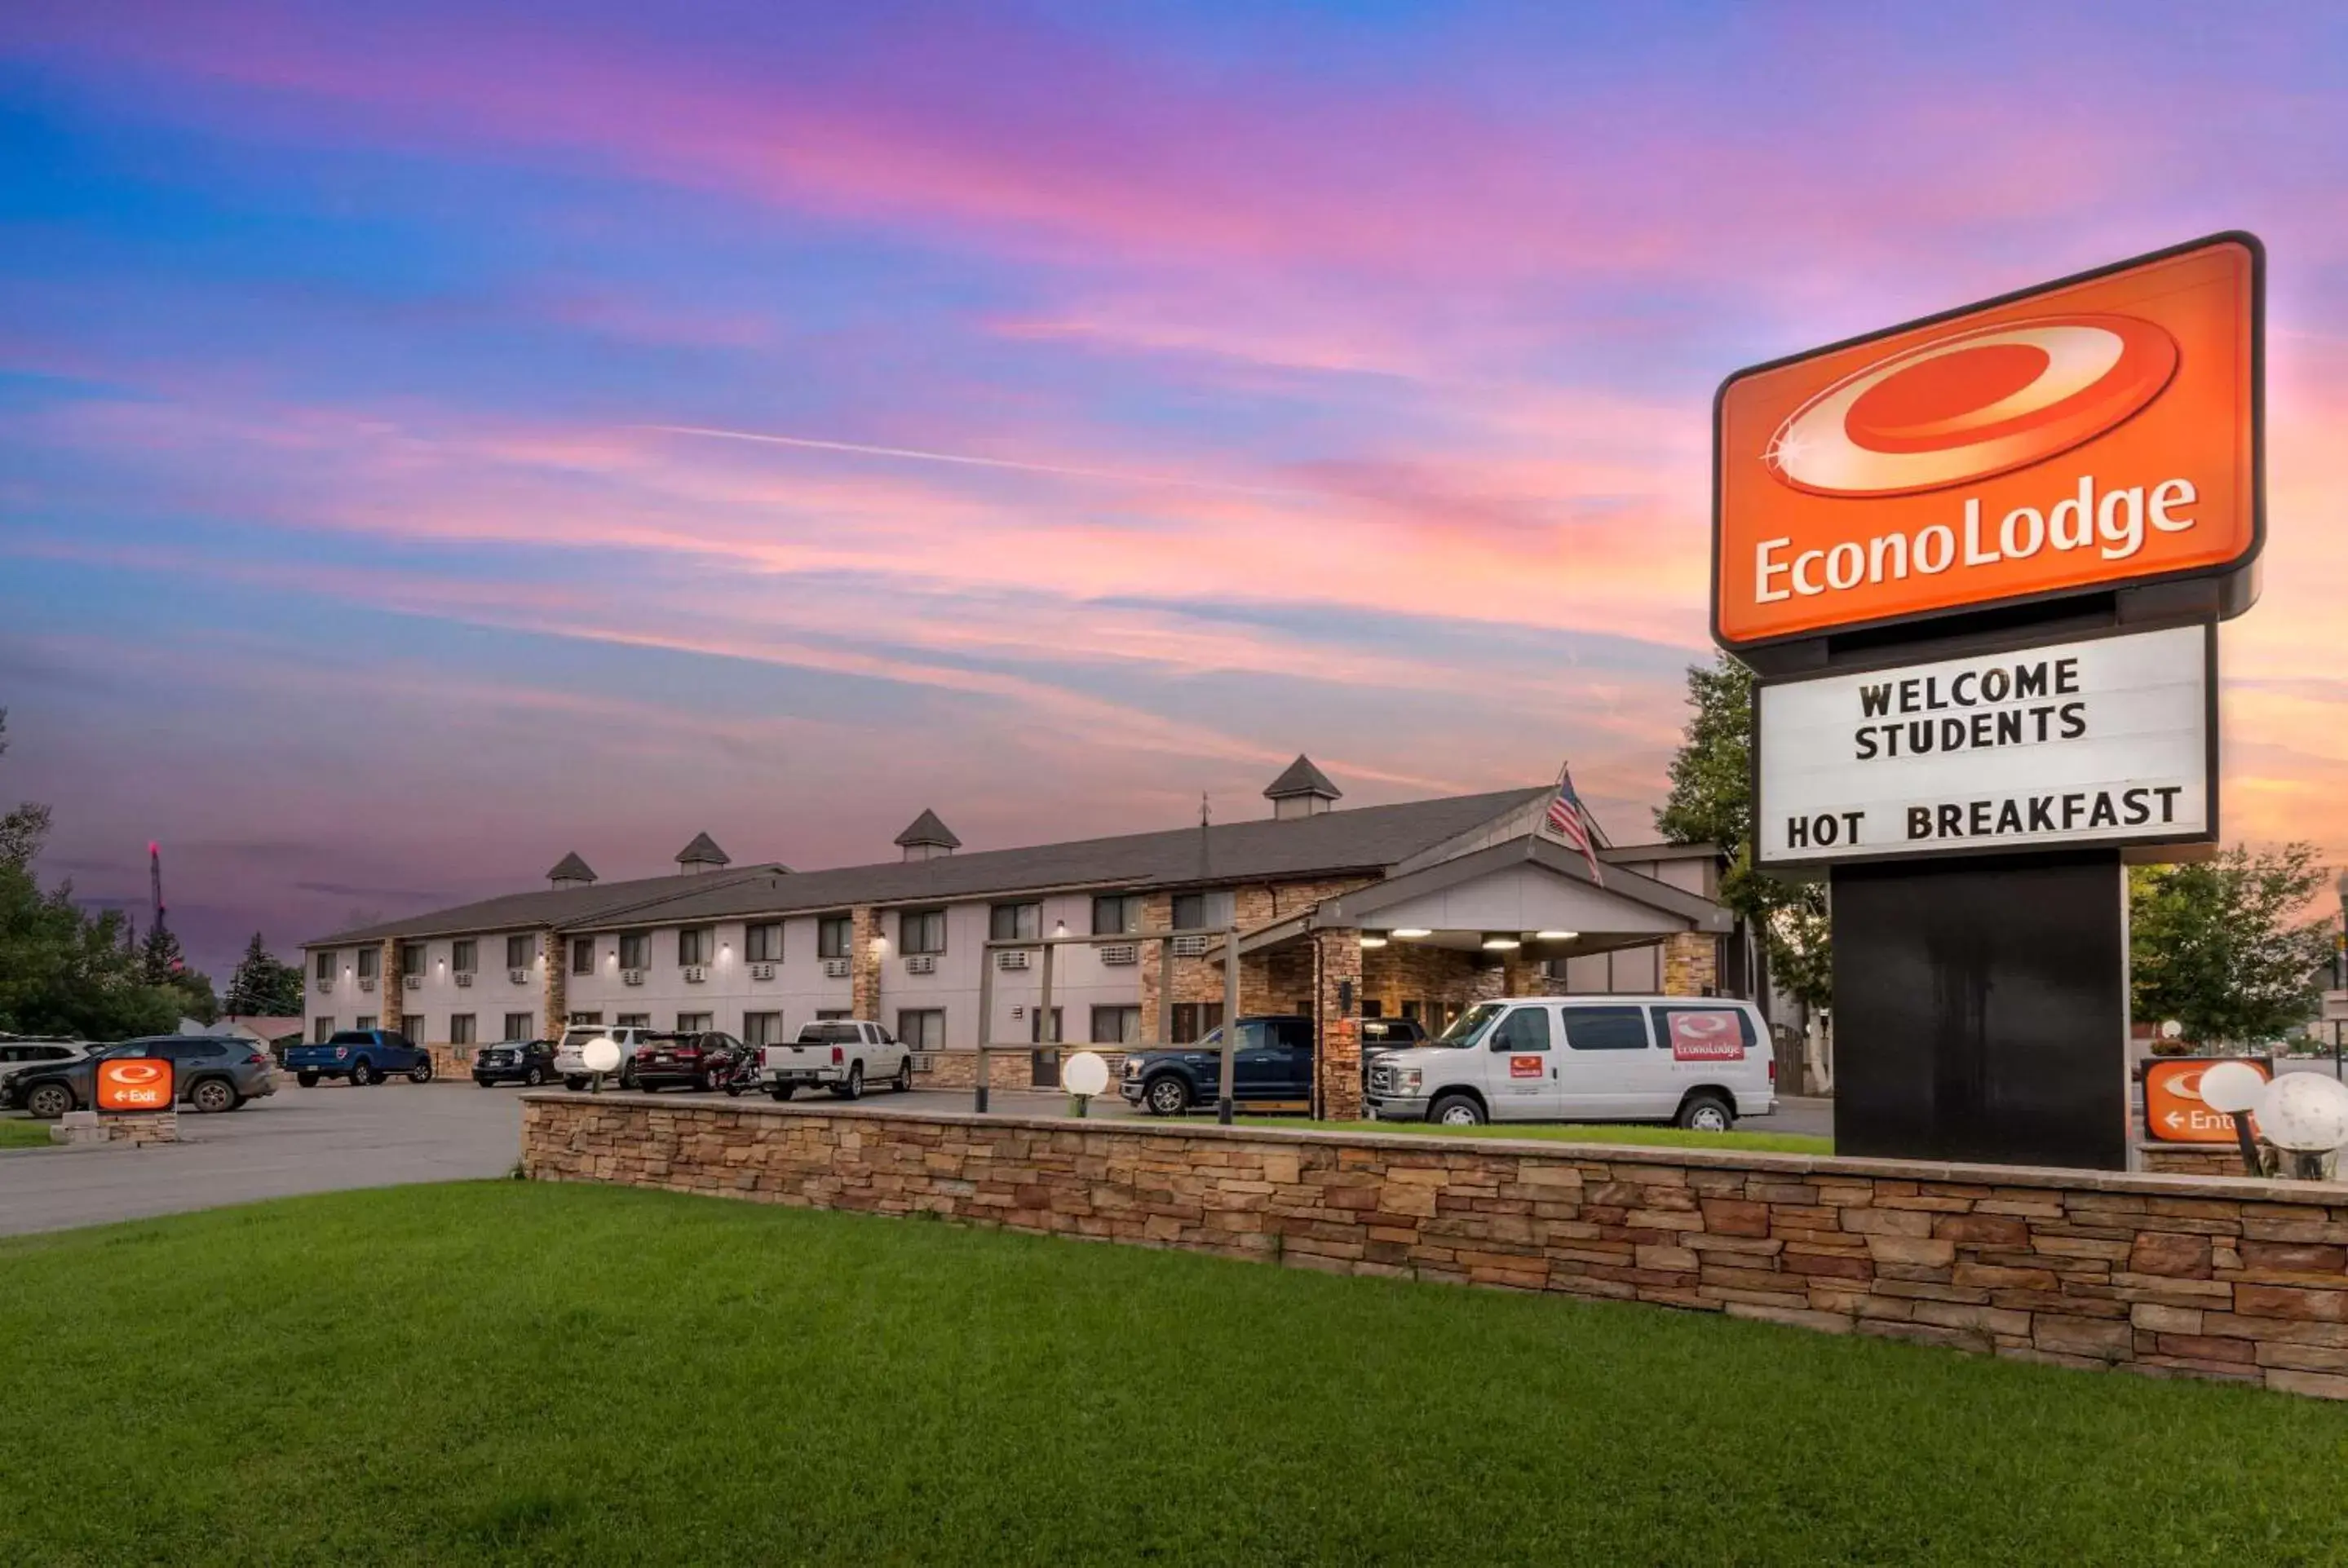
(1412, 911)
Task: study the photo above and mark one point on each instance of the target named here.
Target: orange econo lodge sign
(2095, 432)
(133, 1083)
(2174, 1110)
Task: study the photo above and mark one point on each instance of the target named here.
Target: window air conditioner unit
(835, 968)
(694, 974)
(412, 982)
(366, 982)
(1011, 958)
(1191, 946)
(1120, 953)
(921, 963)
(325, 988)
(762, 971)
(518, 977)
(925, 1061)
(631, 977)
(464, 977)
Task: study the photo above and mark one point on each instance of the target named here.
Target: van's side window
(1526, 1029)
(1606, 1028)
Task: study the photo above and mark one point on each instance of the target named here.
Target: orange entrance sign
(2174, 1111)
(133, 1083)
(2095, 433)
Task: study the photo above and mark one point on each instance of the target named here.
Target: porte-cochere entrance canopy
(1524, 917)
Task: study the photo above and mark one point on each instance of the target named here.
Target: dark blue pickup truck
(362, 1055)
(1273, 1061)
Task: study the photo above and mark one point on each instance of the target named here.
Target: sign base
(1982, 1009)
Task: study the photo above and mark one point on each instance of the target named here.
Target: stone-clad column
(1336, 1020)
(1690, 964)
(392, 987)
(554, 951)
(864, 962)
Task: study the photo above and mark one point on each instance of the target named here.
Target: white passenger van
(1698, 1061)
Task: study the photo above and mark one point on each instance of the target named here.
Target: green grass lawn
(1610, 1133)
(517, 1372)
(24, 1132)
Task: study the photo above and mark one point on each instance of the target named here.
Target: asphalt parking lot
(334, 1137)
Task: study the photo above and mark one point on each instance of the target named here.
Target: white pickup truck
(842, 1055)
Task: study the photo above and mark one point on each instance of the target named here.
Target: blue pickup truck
(1273, 1061)
(362, 1055)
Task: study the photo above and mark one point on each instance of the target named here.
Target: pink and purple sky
(1155, 391)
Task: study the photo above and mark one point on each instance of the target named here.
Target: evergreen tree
(263, 986)
(159, 960)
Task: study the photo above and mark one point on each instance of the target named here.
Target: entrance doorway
(1043, 1064)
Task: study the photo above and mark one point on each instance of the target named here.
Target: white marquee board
(2105, 740)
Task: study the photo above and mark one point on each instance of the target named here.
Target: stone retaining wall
(2172, 1275)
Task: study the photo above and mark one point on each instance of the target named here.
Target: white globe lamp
(1085, 1074)
(601, 1055)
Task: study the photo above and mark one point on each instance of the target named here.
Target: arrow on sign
(2174, 1120)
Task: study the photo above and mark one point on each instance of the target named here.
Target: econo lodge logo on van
(1972, 404)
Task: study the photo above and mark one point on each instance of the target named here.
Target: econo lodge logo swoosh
(1972, 404)
(133, 1072)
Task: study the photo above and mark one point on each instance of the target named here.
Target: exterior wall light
(1501, 942)
(1410, 932)
(1374, 938)
(1555, 936)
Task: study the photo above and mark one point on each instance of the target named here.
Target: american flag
(1570, 821)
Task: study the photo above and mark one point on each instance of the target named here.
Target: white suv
(572, 1065)
(1698, 1062)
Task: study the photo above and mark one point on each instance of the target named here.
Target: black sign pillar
(1982, 1009)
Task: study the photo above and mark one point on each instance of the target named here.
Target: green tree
(1711, 801)
(63, 971)
(23, 828)
(2225, 946)
(263, 985)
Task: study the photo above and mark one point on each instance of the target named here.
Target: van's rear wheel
(1455, 1110)
(1707, 1113)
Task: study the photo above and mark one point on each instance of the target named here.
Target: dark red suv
(703, 1060)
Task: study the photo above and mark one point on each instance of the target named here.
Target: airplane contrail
(918, 455)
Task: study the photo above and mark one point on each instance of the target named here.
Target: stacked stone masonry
(2237, 1280)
